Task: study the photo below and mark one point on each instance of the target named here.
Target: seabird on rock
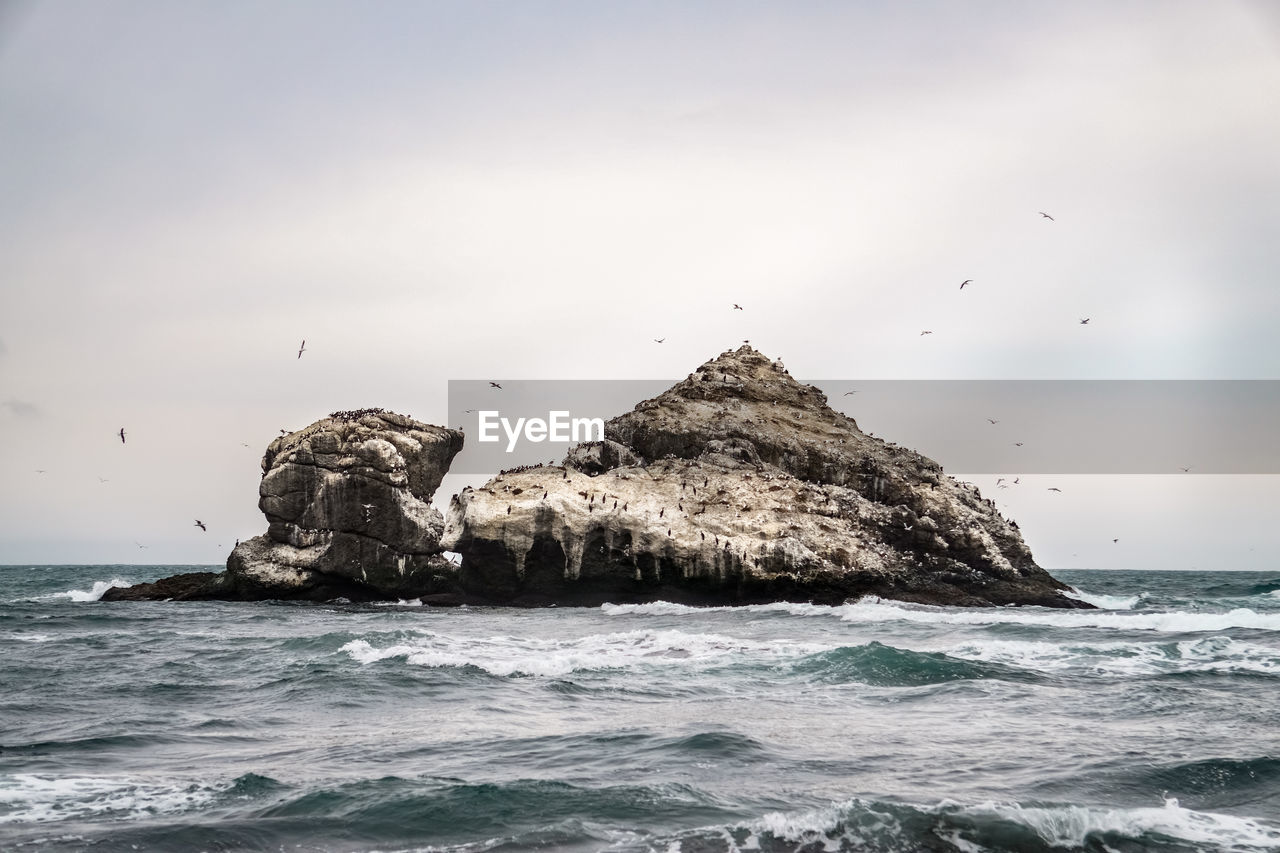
(200, 524)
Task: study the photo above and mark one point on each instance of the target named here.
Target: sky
(436, 191)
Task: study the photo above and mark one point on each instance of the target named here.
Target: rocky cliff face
(740, 485)
(347, 502)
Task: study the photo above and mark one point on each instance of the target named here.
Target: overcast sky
(472, 190)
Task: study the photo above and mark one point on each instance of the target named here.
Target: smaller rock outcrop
(347, 501)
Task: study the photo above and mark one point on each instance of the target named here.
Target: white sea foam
(504, 656)
(29, 798)
(99, 587)
(412, 602)
(1106, 602)
(667, 608)
(29, 637)
(872, 610)
(1071, 826)
(1209, 654)
(858, 824)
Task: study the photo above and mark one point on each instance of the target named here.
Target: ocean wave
(1214, 777)
(872, 610)
(94, 594)
(1106, 602)
(887, 666)
(667, 608)
(880, 827)
(29, 637)
(507, 656)
(1217, 654)
(30, 798)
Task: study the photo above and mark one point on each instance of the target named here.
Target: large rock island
(738, 485)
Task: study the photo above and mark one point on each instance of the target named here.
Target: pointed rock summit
(740, 485)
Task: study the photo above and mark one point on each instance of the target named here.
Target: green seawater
(1151, 723)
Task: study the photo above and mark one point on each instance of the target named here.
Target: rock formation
(740, 485)
(737, 485)
(347, 502)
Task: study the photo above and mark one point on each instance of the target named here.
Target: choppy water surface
(1150, 724)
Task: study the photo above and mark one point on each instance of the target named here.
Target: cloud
(20, 408)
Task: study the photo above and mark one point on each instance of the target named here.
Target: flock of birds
(302, 348)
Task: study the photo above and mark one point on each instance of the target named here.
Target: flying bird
(1115, 540)
(139, 544)
(302, 348)
(993, 420)
(847, 393)
(495, 385)
(658, 340)
(926, 332)
(737, 307)
(103, 480)
(200, 524)
(966, 281)
(122, 435)
(1047, 216)
(1054, 489)
(1085, 321)
(1186, 469)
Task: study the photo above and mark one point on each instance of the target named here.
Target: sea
(1149, 724)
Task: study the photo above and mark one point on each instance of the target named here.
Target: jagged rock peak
(745, 374)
